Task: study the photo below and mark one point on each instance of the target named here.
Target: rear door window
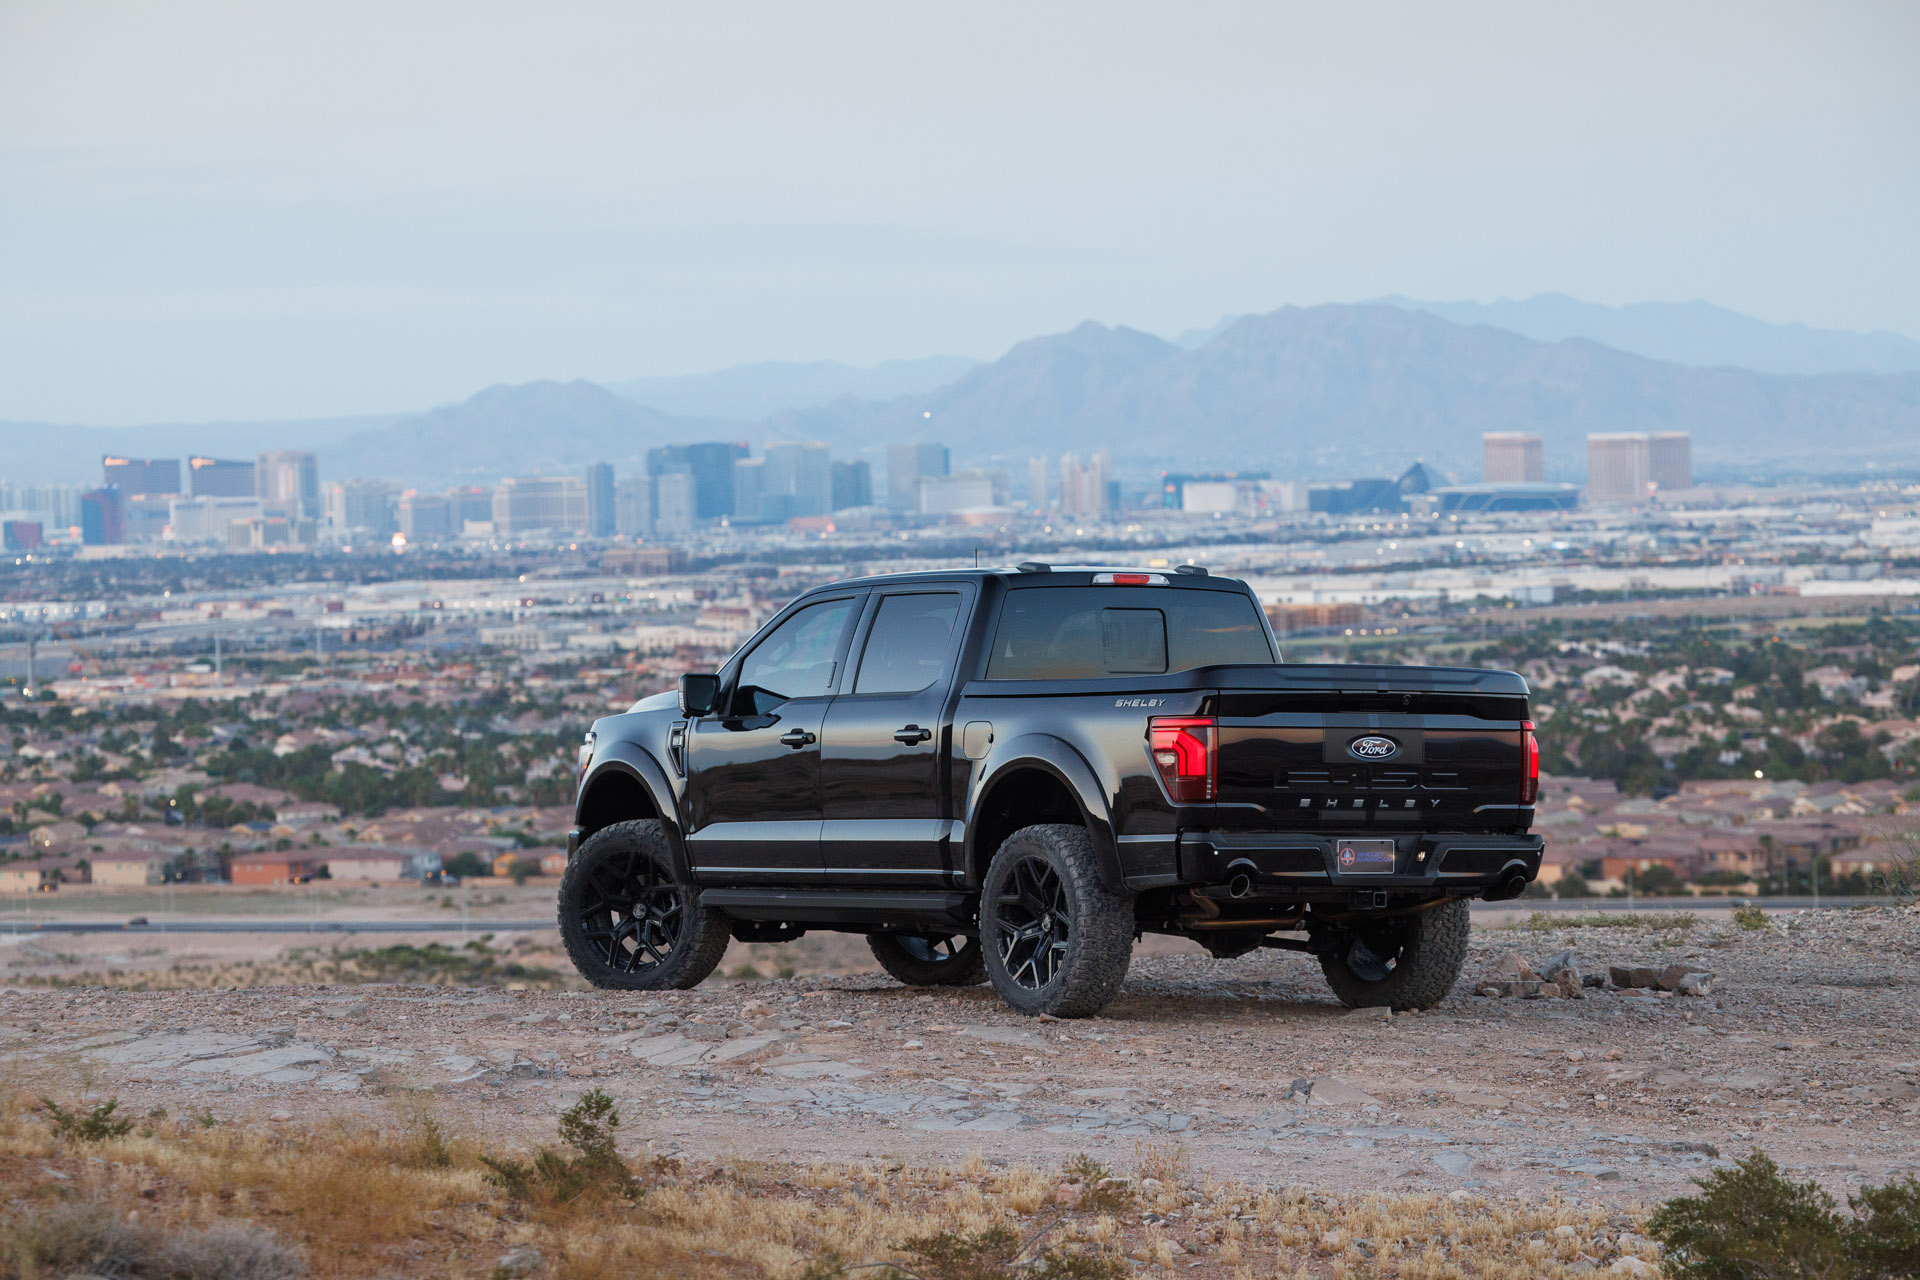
(907, 646)
(1078, 633)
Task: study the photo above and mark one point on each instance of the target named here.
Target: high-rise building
(633, 507)
(600, 500)
(206, 519)
(56, 505)
(852, 485)
(1670, 460)
(1513, 457)
(675, 503)
(220, 478)
(1087, 492)
(471, 502)
(798, 481)
(365, 507)
(525, 504)
(424, 517)
(711, 466)
(961, 491)
(21, 535)
(907, 466)
(749, 490)
(143, 516)
(288, 481)
(100, 522)
(138, 477)
(1037, 482)
(1618, 467)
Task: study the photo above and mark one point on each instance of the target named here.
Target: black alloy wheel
(1055, 939)
(930, 960)
(631, 913)
(1036, 923)
(933, 950)
(1373, 953)
(628, 921)
(1409, 960)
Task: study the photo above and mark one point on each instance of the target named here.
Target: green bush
(1750, 1223)
(93, 1125)
(553, 1177)
(468, 865)
(1748, 916)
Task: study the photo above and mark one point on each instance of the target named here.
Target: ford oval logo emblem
(1373, 747)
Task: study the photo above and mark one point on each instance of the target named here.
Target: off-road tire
(966, 968)
(622, 950)
(1433, 950)
(1084, 973)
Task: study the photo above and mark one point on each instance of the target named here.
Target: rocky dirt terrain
(1807, 1046)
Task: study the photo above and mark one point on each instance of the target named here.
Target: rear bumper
(1306, 866)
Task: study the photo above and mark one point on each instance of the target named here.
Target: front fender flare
(1059, 758)
(631, 761)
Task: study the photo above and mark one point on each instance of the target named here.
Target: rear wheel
(628, 921)
(1403, 962)
(929, 960)
(1057, 941)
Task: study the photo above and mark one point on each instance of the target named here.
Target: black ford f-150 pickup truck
(1010, 775)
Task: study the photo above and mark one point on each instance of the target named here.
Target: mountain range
(1326, 390)
(750, 392)
(1302, 392)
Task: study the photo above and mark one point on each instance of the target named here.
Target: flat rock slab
(1329, 1092)
(679, 1051)
(824, 1070)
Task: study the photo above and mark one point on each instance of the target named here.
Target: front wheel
(628, 921)
(1057, 941)
(1403, 961)
(929, 960)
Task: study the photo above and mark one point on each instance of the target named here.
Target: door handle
(797, 738)
(912, 734)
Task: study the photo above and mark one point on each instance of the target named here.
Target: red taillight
(1530, 777)
(1182, 748)
(1132, 579)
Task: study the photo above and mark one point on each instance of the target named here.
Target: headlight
(586, 755)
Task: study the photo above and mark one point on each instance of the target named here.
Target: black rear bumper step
(851, 908)
(1290, 860)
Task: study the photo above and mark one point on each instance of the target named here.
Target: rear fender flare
(1054, 756)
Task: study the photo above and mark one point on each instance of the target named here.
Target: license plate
(1366, 857)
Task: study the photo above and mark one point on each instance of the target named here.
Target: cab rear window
(1078, 633)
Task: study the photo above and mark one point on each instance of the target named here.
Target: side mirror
(698, 694)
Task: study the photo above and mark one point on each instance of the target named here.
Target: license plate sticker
(1366, 857)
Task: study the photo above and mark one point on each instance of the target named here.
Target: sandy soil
(1809, 1049)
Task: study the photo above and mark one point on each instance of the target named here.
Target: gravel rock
(1513, 967)
(521, 1260)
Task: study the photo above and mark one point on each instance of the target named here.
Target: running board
(853, 909)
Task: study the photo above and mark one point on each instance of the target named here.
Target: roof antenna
(976, 557)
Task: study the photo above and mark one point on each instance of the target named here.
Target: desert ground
(1807, 1047)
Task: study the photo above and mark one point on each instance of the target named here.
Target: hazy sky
(236, 210)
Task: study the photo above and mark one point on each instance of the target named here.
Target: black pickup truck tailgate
(1371, 748)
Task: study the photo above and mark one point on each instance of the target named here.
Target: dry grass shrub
(90, 1238)
(414, 1199)
(473, 964)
